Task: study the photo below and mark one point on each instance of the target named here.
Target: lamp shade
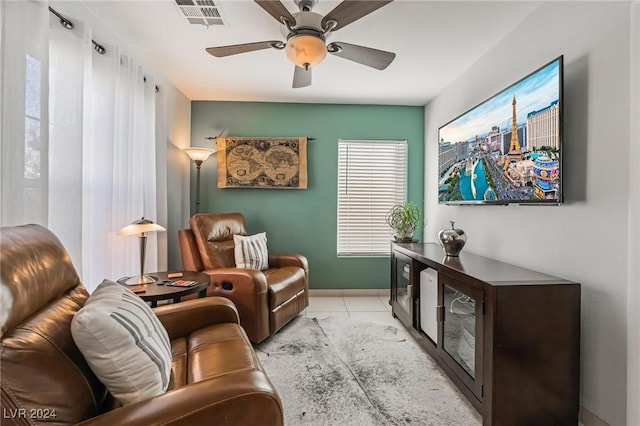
(199, 154)
(306, 50)
(140, 226)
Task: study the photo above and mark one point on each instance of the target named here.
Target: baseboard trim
(587, 418)
(348, 292)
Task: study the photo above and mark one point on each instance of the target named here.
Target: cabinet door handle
(439, 313)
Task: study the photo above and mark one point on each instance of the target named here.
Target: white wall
(178, 170)
(633, 313)
(587, 239)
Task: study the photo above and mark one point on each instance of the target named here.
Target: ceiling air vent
(201, 12)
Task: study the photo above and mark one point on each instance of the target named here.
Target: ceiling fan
(307, 32)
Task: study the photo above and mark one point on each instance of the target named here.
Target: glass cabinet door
(402, 288)
(460, 330)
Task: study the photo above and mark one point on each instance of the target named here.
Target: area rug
(347, 372)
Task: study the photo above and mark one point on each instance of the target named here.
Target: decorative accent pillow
(251, 251)
(124, 343)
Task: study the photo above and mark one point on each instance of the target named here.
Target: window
(372, 178)
(33, 93)
(34, 174)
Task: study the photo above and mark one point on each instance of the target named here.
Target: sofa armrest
(240, 398)
(248, 290)
(248, 279)
(288, 259)
(181, 319)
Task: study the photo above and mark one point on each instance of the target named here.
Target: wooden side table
(155, 291)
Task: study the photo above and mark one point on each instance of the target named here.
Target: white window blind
(372, 178)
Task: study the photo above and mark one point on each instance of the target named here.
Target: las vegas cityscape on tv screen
(506, 149)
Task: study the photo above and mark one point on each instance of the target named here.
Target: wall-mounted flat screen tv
(508, 149)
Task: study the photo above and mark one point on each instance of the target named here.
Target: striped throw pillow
(251, 251)
(124, 343)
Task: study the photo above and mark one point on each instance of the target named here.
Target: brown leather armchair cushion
(216, 377)
(266, 300)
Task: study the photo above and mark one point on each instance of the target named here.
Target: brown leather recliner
(216, 376)
(266, 300)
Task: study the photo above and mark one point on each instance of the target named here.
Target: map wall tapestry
(279, 163)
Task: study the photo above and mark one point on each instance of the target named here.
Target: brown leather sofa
(266, 300)
(216, 377)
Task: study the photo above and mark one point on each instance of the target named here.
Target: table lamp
(141, 227)
(198, 155)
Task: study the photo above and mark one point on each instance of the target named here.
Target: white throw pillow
(251, 251)
(124, 342)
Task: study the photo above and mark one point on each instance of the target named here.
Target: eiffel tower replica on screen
(515, 150)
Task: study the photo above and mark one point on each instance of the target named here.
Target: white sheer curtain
(24, 126)
(78, 141)
(134, 167)
(69, 57)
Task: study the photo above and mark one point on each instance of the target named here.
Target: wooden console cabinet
(508, 337)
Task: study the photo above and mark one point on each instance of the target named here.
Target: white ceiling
(435, 41)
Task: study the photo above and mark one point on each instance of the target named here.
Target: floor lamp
(198, 155)
(141, 227)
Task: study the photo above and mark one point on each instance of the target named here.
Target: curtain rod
(66, 23)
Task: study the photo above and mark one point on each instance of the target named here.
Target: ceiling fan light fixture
(306, 50)
(306, 33)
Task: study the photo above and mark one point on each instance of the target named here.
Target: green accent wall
(304, 221)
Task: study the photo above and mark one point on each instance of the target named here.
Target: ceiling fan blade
(234, 49)
(277, 10)
(378, 59)
(351, 10)
(301, 77)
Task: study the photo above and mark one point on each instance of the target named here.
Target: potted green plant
(404, 219)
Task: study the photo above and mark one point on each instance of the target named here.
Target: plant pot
(403, 220)
(405, 238)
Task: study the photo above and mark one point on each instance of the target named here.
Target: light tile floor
(364, 308)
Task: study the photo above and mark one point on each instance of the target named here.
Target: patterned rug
(346, 372)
